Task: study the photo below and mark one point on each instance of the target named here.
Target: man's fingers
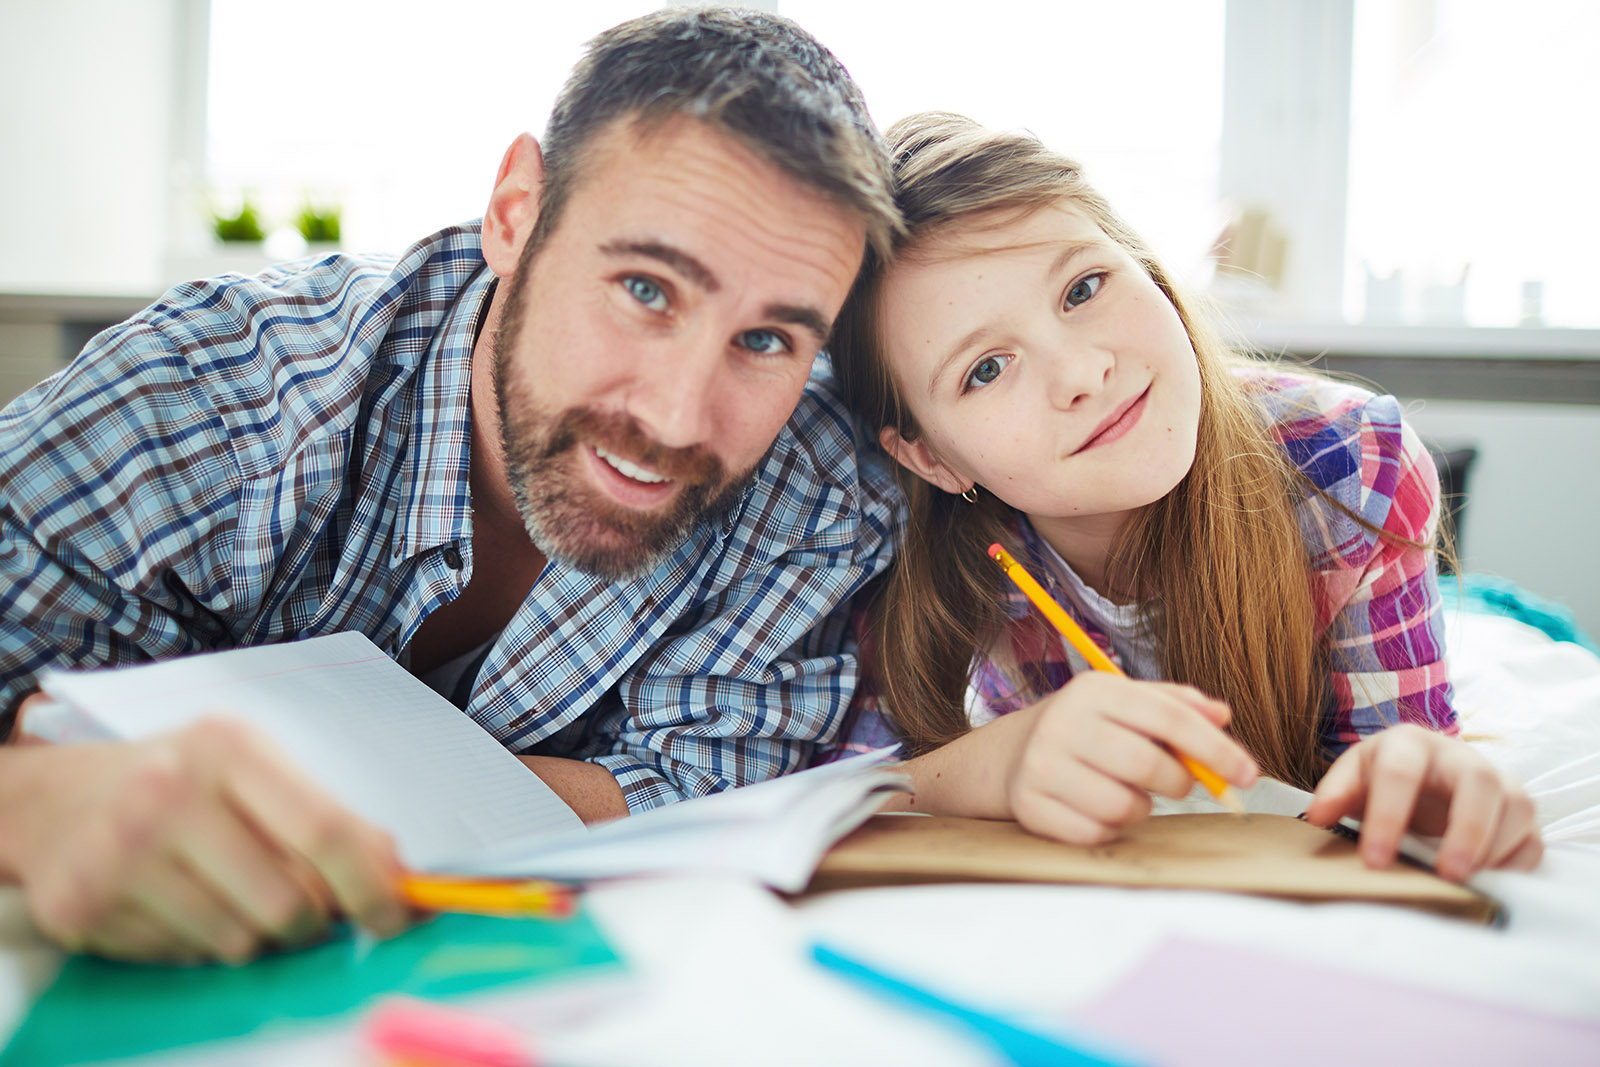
(276, 894)
(357, 861)
(197, 920)
(133, 933)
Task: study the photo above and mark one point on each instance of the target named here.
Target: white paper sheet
(379, 740)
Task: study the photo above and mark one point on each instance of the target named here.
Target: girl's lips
(1118, 423)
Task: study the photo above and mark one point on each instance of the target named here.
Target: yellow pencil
(1069, 629)
(487, 896)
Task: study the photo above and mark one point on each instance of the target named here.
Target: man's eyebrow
(676, 258)
(805, 317)
(1072, 250)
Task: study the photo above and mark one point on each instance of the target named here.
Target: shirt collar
(436, 495)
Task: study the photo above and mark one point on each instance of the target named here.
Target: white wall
(86, 130)
(1533, 509)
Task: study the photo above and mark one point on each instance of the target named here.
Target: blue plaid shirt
(254, 460)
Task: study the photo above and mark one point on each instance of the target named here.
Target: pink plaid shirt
(1377, 601)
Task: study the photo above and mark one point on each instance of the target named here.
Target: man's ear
(918, 458)
(513, 206)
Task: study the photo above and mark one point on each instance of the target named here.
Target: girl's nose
(1078, 374)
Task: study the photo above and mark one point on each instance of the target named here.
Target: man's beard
(571, 522)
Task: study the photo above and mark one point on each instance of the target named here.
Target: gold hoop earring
(970, 494)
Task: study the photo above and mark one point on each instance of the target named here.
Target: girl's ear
(918, 458)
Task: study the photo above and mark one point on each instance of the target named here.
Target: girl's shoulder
(1353, 445)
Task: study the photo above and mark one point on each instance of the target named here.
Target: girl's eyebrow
(1070, 251)
(954, 354)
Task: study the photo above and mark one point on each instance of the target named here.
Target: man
(609, 505)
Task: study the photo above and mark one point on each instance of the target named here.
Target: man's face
(659, 338)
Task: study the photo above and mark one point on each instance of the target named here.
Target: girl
(1260, 539)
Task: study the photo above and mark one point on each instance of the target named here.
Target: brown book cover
(1270, 855)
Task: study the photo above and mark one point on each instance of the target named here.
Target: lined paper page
(378, 739)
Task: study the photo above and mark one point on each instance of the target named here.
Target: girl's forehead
(1006, 230)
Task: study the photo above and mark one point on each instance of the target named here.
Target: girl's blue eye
(645, 291)
(985, 371)
(1084, 288)
(764, 342)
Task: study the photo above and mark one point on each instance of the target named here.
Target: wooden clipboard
(1269, 855)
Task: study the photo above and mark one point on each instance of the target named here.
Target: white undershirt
(1123, 625)
(446, 678)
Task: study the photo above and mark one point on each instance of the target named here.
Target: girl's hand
(1097, 748)
(1407, 777)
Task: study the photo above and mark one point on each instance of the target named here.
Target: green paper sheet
(100, 1010)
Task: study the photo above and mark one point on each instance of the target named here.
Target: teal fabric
(100, 1010)
(1489, 594)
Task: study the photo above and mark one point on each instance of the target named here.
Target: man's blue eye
(646, 292)
(1084, 288)
(764, 342)
(986, 370)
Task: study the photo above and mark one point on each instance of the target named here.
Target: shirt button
(452, 557)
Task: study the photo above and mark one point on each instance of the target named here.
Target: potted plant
(244, 227)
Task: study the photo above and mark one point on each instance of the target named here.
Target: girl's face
(1042, 363)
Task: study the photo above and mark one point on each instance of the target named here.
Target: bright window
(1132, 90)
(397, 110)
(1472, 161)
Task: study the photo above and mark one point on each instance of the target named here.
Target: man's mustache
(622, 436)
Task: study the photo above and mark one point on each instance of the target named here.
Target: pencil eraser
(414, 1031)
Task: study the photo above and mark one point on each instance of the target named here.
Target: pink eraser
(417, 1031)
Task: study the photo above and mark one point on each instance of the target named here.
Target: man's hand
(201, 844)
(1407, 777)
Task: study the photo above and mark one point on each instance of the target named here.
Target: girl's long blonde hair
(1218, 565)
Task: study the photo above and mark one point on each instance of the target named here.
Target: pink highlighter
(416, 1033)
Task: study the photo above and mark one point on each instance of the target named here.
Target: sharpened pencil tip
(1229, 798)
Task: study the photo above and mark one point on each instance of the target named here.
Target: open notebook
(398, 754)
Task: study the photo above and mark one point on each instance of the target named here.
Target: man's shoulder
(833, 446)
(820, 486)
(340, 303)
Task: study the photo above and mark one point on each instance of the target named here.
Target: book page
(772, 831)
(377, 738)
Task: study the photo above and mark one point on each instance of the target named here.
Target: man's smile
(627, 469)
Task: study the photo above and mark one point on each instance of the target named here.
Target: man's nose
(674, 394)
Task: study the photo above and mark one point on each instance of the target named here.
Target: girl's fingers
(1342, 790)
(1477, 803)
(1526, 855)
(1174, 716)
(1129, 756)
(1408, 778)
(1049, 816)
(1395, 771)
